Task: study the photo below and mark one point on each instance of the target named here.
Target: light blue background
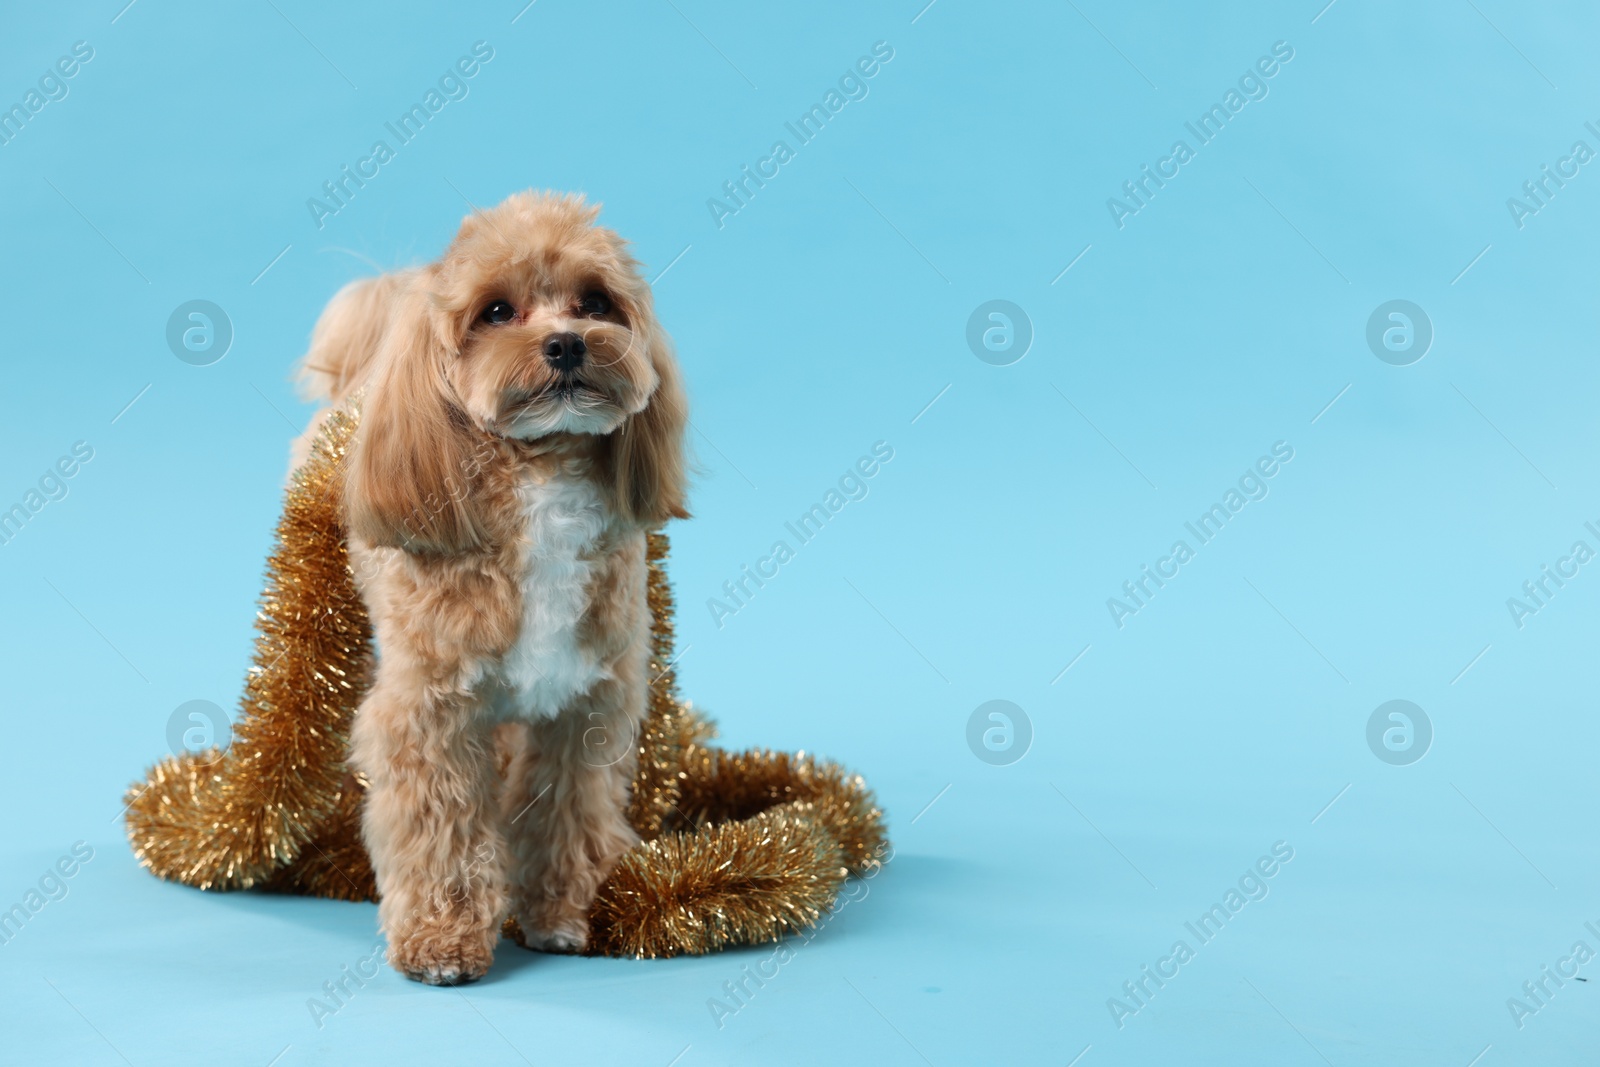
(821, 318)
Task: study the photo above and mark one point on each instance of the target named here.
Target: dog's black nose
(564, 351)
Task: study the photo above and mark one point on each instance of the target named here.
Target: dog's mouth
(568, 402)
(568, 389)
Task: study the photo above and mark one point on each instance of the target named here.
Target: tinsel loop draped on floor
(737, 847)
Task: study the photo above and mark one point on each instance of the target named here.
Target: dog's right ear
(410, 477)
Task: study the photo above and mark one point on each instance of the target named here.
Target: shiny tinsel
(737, 847)
(230, 822)
(731, 883)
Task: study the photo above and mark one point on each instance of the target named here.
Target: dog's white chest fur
(549, 665)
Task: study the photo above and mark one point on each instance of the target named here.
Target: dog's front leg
(567, 813)
(431, 827)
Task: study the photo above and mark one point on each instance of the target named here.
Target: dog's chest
(550, 663)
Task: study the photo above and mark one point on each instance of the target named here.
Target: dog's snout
(564, 351)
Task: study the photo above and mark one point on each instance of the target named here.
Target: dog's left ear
(647, 450)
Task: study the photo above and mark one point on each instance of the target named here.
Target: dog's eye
(596, 303)
(497, 313)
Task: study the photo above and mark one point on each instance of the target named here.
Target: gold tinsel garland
(736, 847)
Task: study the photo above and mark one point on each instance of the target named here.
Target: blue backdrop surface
(1237, 365)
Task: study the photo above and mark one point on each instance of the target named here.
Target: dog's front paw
(569, 936)
(441, 957)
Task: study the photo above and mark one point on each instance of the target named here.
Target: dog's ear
(648, 452)
(347, 335)
(411, 471)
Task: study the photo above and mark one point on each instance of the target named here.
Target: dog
(521, 430)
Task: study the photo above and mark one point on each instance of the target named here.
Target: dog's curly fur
(497, 499)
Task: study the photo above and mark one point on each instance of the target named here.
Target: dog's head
(535, 323)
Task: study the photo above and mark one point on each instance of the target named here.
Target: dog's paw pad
(445, 975)
(442, 960)
(570, 936)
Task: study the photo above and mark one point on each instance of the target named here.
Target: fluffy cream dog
(522, 428)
